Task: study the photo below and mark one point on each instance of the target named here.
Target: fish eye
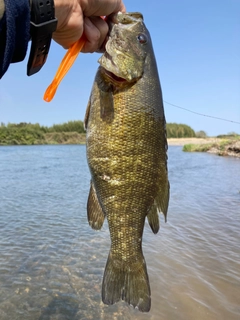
(142, 38)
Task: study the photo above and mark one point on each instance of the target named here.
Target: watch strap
(43, 23)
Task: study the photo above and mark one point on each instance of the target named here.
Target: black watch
(43, 23)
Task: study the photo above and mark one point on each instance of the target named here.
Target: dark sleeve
(14, 33)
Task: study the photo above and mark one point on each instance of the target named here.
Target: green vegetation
(71, 132)
(197, 147)
(228, 136)
(175, 130)
(70, 126)
(222, 147)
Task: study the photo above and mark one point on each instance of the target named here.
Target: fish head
(126, 48)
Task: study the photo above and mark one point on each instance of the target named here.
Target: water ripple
(52, 262)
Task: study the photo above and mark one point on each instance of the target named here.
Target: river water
(52, 262)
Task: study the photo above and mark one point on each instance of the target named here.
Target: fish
(127, 156)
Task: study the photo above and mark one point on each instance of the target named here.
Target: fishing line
(200, 114)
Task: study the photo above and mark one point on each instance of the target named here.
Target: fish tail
(130, 284)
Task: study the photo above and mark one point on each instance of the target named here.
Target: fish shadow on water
(66, 308)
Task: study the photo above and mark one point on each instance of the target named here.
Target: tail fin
(130, 284)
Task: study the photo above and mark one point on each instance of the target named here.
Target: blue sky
(197, 47)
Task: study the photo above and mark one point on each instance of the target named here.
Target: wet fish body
(127, 156)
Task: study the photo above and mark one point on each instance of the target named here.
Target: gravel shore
(183, 141)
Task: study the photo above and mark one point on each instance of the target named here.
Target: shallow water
(52, 262)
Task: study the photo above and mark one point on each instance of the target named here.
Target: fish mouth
(112, 70)
(113, 73)
(114, 78)
(120, 59)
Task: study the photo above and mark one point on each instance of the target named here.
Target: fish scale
(126, 152)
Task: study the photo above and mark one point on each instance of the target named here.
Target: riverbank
(80, 138)
(220, 146)
(49, 138)
(184, 141)
(71, 132)
(64, 138)
(224, 146)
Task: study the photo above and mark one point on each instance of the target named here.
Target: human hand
(78, 16)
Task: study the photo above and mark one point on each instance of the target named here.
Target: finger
(70, 30)
(95, 30)
(70, 33)
(65, 38)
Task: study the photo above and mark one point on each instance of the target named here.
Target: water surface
(52, 262)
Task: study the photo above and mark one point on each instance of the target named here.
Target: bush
(70, 126)
(201, 134)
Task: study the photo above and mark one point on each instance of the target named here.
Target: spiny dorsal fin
(94, 210)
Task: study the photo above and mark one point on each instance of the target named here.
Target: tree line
(175, 130)
(68, 132)
(29, 134)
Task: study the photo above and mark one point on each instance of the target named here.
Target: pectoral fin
(94, 210)
(106, 103)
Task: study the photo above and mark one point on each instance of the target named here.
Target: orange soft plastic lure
(65, 65)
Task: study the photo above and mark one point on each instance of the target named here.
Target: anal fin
(153, 219)
(162, 200)
(160, 205)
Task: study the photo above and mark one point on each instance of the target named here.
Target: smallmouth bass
(127, 156)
